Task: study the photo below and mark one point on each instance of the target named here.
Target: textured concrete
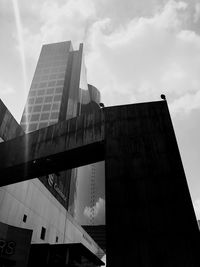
(64, 145)
(149, 214)
(150, 221)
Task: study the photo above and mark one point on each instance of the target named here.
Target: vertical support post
(149, 214)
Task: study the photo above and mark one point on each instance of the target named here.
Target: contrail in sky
(22, 55)
(20, 41)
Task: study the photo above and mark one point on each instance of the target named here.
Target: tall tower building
(48, 205)
(59, 91)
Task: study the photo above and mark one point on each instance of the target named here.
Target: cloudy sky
(134, 51)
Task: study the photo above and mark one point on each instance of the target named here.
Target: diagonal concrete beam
(62, 146)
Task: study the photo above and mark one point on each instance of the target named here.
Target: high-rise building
(59, 91)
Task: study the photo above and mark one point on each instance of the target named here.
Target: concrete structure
(146, 188)
(59, 91)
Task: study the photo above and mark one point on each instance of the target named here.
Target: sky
(134, 51)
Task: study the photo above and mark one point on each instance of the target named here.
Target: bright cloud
(97, 211)
(59, 23)
(146, 57)
(6, 89)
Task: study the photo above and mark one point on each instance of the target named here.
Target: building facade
(47, 205)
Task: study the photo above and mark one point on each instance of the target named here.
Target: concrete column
(150, 219)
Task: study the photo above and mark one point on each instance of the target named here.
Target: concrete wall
(42, 210)
(150, 219)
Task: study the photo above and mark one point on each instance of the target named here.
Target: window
(60, 82)
(57, 97)
(45, 116)
(52, 76)
(54, 115)
(50, 84)
(61, 75)
(54, 70)
(28, 109)
(46, 71)
(55, 106)
(50, 91)
(31, 100)
(59, 90)
(44, 78)
(56, 239)
(35, 117)
(41, 85)
(46, 107)
(41, 92)
(37, 108)
(32, 93)
(62, 68)
(24, 218)
(63, 63)
(43, 233)
(48, 99)
(39, 100)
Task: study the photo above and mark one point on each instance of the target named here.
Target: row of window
(48, 70)
(39, 108)
(44, 116)
(48, 91)
(47, 84)
(55, 49)
(36, 118)
(46, 77)
(43, 230)
(44, 63)
(49, 58)
(45, 99)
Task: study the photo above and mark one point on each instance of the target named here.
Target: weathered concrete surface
(150, 221)
(9, 128)
(149, 214)
(65, 145)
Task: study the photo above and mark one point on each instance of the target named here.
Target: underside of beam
(62, 146)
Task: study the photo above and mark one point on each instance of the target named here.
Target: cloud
(130, 62)
(5, 89)
(186, 103)
(97, 211)
(59, 22)
(146, 57)
(197, 12)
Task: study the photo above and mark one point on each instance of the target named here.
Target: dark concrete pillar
(149, 214)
